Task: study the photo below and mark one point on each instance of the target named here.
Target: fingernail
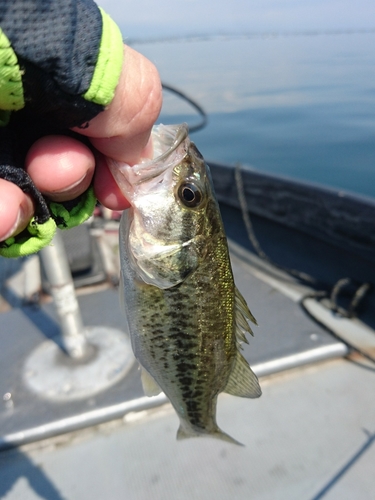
(68, 192)
(14, 228)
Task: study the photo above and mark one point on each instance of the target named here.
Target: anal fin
(150, 387)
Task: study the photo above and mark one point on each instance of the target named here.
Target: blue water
(301, 106)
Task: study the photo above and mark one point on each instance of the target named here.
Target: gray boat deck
(309, 436)
(285, 338)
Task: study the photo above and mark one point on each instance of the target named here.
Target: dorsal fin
(242, 380)
(243, 316)
(243, 307)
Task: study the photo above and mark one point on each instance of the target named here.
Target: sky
(159, 18)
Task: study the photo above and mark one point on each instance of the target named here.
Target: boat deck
(286, 338)
(309, 436)
(84, 430)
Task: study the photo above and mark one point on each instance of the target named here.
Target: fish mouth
(170, 143)
(166, 141)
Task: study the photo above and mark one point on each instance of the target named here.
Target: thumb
(122, 130)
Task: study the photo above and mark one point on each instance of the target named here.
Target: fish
(186, 318)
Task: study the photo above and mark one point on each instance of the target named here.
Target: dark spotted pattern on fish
(195, 366)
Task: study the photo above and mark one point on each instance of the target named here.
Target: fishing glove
(60, 62)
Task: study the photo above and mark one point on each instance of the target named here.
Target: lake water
(301, 105)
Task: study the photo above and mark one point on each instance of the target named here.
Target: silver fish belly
(186, 317)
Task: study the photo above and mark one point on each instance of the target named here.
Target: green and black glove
(60, 62)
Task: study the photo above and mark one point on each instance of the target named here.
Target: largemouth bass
(186, 317)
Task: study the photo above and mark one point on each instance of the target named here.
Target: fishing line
(193, 104)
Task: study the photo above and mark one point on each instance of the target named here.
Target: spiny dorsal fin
(242, 380)
(150, 387)
(243, 307)
(243, 315)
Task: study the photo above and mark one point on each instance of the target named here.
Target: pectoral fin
(242, 381)
(150, 387)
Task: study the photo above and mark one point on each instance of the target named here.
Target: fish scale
(185, 316)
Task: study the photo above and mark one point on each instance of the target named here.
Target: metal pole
(55, 264)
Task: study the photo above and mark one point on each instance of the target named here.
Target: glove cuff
(36, 236)
(108, 65)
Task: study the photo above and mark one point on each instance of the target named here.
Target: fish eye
(189, 194)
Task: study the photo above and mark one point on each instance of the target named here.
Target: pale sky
(150, 18)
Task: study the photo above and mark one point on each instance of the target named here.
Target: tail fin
(185, 432)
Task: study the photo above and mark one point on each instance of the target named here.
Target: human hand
(62, 167)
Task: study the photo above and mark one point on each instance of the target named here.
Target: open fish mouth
(170, 143)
